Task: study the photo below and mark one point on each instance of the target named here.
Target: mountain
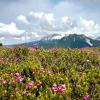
(70, 41)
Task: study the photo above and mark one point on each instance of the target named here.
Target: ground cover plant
(53, 74)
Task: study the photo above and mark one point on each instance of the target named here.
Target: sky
(35, 19)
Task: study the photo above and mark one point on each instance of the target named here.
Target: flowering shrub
(53, 74)
(19, 77)
(58, 88)
(29, 84)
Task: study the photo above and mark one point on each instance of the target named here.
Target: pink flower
(54, 88)
(86, 97)
(19, 78)
(23, 93)
(29, 84)
(16, 89)
(62, 88)
(58, 88)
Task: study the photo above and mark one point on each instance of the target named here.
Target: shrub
(55, 74)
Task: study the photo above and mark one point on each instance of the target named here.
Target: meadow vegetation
(52, 74)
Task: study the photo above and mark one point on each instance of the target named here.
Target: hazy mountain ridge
(67, 41)
(70, 41)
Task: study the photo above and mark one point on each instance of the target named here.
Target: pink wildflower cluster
(29, 84)
(36, 84)
(86, 97)
(58, 88)
(19, 77)
(25, 93)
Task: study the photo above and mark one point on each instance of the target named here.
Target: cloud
(9, 33)
(48, 18)
(87, 27)
(42, 24)
(10, 30)
(65, 19)
(37, 25)
(22, 19)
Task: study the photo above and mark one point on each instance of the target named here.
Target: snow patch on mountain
(89, 42)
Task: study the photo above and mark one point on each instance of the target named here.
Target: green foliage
(78, 69)
(21, 51)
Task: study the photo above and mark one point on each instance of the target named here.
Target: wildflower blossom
(62, 88)
(19, 77)
(86, 97)
(58, 88)
(54, 88)
(29, 84)
(16, 89)
(23, 93)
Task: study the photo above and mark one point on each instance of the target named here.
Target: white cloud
(49, 18)
(42, 24)
(36, 15)
(65, 19)
(41, 17)
(87, 24)
(22, 19)
(10, 30)
(9, 33)
(88, 27)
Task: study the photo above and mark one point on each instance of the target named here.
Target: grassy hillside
(53, 74)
